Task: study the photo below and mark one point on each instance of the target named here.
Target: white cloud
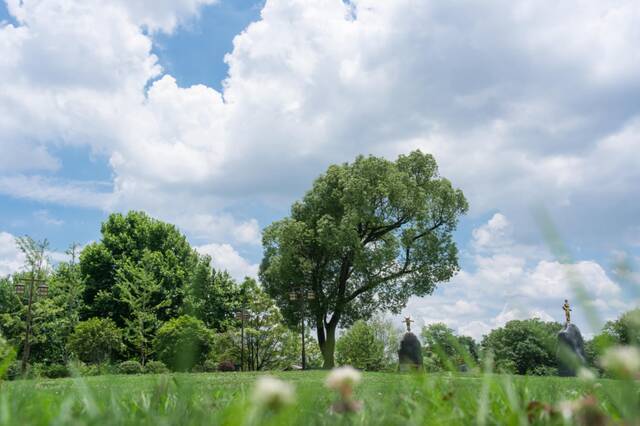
(45, 217)
(11, 258)
(225, 257)
(520, 107)
(489, 97)
(506, 281)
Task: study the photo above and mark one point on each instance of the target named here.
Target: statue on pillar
(567, 311)
(410, 352)
(408, 322)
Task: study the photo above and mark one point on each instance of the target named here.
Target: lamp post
(242, 315)
(42, 290)
(303, 296)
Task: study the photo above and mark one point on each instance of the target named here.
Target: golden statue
(408, 322)
(567, 311)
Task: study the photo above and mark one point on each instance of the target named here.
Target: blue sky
(217, 115)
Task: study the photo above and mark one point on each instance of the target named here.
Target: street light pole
(302, 295)
(241, 315)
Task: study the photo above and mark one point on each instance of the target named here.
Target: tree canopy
(366, 237)
(136, 240)
(524, 346)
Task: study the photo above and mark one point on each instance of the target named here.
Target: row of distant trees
(519, 347)
(143, 293)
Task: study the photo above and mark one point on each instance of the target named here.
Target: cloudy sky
(216, 115)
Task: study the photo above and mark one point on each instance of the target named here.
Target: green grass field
(225, 398)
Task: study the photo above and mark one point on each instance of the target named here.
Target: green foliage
(213, 297)
(155, 367)
(209, 366)
(13, 371)
(55, 371)
(626, 329)
(95, 340)
(138, 240)
(523, 347)
(130, 367)
(269, 343)
(365, 238)
(445, 350)
(386, 332)
(361, 348)
(183, 342)
(138, 289)
(7, 355)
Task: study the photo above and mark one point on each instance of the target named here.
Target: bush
(92, 369)
(14, 370)
(95, 340)
(182, 343)
(55, 371)
(360, 347)
(130, 367)
(226, 366)
(209, 366)
(543, 370)
(155, 367)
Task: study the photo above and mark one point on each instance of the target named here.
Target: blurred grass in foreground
(225, 399)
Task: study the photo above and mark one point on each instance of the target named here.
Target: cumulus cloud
(225, 258)
(11, 258)
(519, 107)
(506, 281)
(489, 97)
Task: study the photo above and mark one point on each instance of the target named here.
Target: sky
(217, 115)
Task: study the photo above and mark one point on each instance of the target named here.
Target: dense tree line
(142, 293)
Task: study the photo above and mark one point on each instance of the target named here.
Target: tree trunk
(327, 342)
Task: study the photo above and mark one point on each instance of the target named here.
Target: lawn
(225, 398)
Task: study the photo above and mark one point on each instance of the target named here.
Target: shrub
(360, 347)
(155, 367)
(183, 342)
(94, 369)
(226, 366)
(55, 371)
(14, 370)
(130, 367)
(543, 370)
(7, 355)
(209, 366)
(95, 340)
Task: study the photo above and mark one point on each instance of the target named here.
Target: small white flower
(586, 374)
(622, 360)
(566, 409)
(273, 393)
(343, 378)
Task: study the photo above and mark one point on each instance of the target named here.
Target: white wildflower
(586, 374)
(622, 360)
(343, 378)
(566, 409)
(273, 393)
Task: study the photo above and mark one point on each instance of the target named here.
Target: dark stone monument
(570, 354)
(410, 352)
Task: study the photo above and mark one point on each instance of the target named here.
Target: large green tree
(361, 348)
(213, 296)
(366, 237)
(524, 346)
(445, 349)
(136, 239)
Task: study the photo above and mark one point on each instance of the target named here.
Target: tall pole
(242, 341)
(304, 357)
(27, 344)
